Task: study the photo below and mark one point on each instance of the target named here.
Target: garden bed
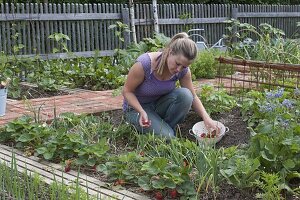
(31, 91)
(238, 135)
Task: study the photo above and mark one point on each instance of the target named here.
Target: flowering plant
(276, 131)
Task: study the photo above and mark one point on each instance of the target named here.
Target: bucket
(3, 97)
(201, 133)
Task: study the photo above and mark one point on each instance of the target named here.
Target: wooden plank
(202, 12)
(7, 31)
(28, 34)
(78, 29)
(118, 43)
(135, 14)
(110, 35)
(23, 33)
(50, 170)
(91, 28)
(206, 16)
(105, 26)
(125, 14)
(172, 14)
(65, 26)
(74, 31)
(185, 21)
(37, 30)
(58, 17)
(100, 29)
(47, 30)
(69, 27)
(60, 25)
(192, 8)
(13, 27)
(42, 35)
(96, 30)
(87, 37)
(18, 28)
(208, 26)
(111, 8)
(52, 43)
(55, 25)
(33, 31)
(159, 13)
(268, 14)
(102, 53)
(165, 16)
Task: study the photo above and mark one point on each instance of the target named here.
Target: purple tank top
(151, 88)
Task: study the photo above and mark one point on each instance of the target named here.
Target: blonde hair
(180, 44)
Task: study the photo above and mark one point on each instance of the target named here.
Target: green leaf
(48, 155)
(25, 137)
(263, 154)
(91, 161)
(80, 161)
(102, 168)
(265, 128)
(289, 164)
(144, 183)
(170, 184)
(112, 26)
(158, 183)
(41, 150)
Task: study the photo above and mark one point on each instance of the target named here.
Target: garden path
(77, 101)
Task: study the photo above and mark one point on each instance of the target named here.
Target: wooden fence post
(234, 12)
(155, 16)
(132, 22)
(125, 18)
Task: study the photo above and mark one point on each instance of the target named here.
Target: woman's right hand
(144, 121)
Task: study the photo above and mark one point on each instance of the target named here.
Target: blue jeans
(165, 113)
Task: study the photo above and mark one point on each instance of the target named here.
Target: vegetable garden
(259, 158)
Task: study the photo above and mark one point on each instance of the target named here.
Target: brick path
(80, 101)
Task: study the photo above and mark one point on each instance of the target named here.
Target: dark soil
(238, 133)
(32, 92)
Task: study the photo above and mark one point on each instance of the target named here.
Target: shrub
(205, 65)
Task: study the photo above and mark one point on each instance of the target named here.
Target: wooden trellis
(259, 75)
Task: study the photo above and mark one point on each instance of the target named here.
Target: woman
(152, 103)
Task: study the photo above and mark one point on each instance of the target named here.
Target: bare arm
(134, 79)
(186, 82)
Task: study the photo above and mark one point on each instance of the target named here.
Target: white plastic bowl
(200, 128)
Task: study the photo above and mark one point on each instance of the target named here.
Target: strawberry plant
(160, 174)
(125, 167)
(241, 171)
(91, 154)
(26, 132)
(216, 101)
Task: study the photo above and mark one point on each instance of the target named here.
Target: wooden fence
(87, 25)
